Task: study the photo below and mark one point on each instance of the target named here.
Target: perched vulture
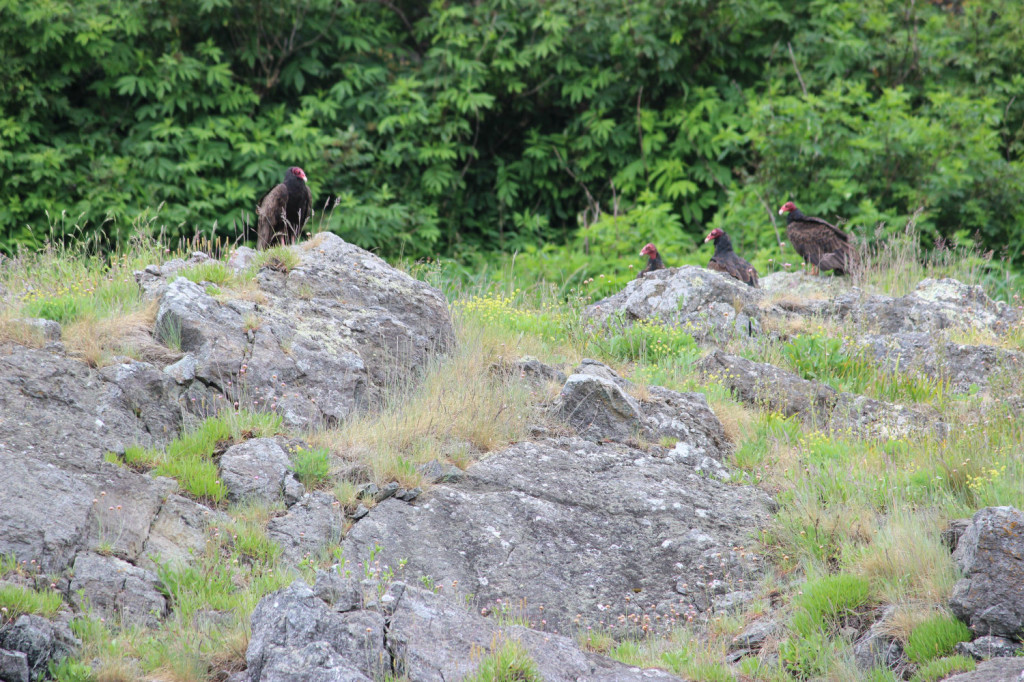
(821, 244)
(725, 259)
(653, 260)
(283, 211)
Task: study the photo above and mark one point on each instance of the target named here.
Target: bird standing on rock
(821, 244)
(284, 210)
(653, 260)
(725, 259)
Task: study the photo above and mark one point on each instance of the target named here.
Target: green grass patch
(189, 458)
(510, 663)
(312, 466)
(826, 603)
(941, 668)
(212, 271)
(647, 341)
(249, 539)
(826, 359)
(16, 600)
(935, 638)
(282, 258)
(808, 657)
(70, 670)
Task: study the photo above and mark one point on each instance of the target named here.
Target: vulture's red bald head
(297, 172)
(650, 251)
(787, 207)
(714, 234)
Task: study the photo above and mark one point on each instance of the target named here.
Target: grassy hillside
(858, 524)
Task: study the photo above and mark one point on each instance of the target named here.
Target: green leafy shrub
(935, 637)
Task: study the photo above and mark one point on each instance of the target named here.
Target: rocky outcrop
(582, 532)
(761, 384)
(706, 303)
(935, 305)
(768, 387)
(994, 670)
(988, 646)
(117, 590)
(255, 470)
(308, 527)
(37, 640)
(865, 417)
(594, 401)
(408, 632)
(922, 353)
(318, 341)
(990, 596)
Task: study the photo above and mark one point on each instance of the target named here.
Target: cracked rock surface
(584, 532)
(408, 631)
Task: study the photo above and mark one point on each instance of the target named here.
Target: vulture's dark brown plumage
(821, 244)
(653, 260)
(284, 210)
(725, 259)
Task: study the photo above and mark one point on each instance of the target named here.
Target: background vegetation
(570, 132)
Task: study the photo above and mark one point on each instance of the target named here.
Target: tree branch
(792, 57)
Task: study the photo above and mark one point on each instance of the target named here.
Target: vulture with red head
(725, 259)
(821, 244)
(653, 260)
(284, 210)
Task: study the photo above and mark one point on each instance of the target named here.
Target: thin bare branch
(792, 57)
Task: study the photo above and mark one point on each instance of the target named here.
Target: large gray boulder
(925, 354)
(297, 636)
(117, 590)
(317, 342)
(179, 534)
(39, 640)
(410, 633)
(706, 303)
(994, 670)
(255, 470)
(595, 403)
(599, 408)
(990, 596)
(934, 305)
(761, 384)
(582, 532)
(310, 526)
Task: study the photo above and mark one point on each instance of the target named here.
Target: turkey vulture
(725, 259)
(283, 211)
(653, 260)
(821, 244)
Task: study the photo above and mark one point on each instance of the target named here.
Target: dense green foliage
(456, 128)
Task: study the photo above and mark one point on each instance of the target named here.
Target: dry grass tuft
(15, 331)
(457, 410)
(98, 340)
(736, 419)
